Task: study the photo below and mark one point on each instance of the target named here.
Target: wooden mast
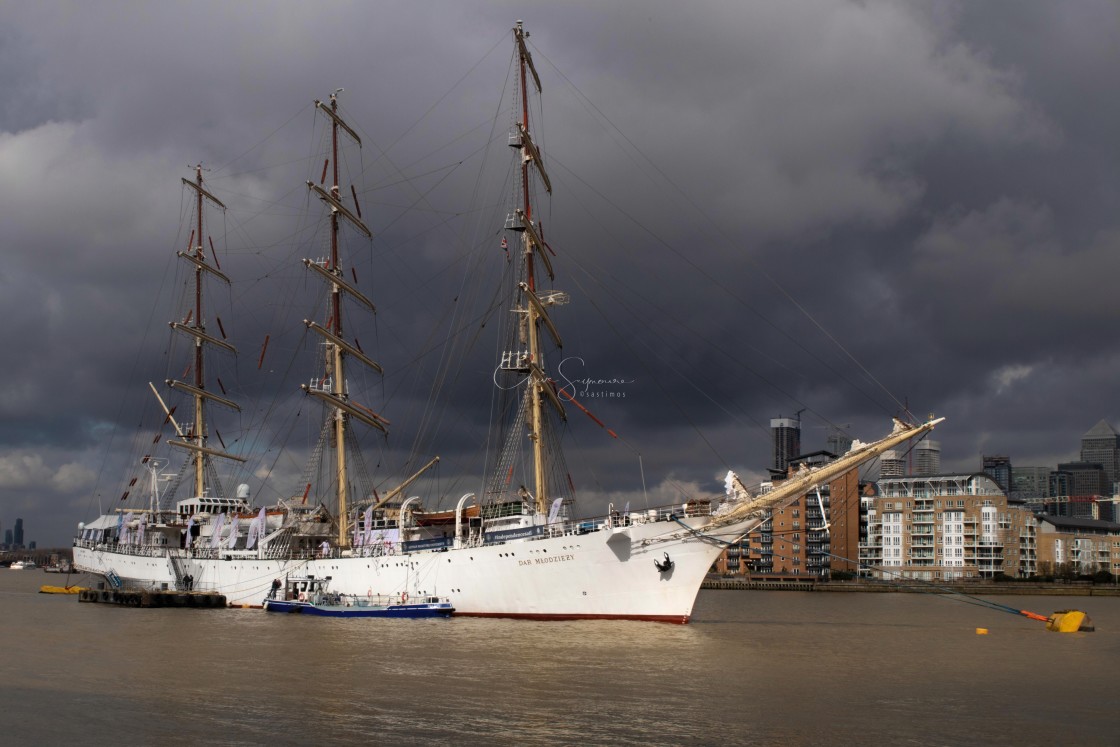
(199, 381)
(335, 368)
(537, 388)
(195, 328)
(337, 348)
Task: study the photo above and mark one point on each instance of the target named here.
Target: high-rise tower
(1101, 445)
(927, 457)
(838, 442)
(786, 435)
(999, 469)
(1031, 484)
(891, 464)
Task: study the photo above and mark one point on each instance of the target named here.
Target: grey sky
(935, 184)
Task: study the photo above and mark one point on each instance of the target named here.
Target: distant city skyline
(14, 538)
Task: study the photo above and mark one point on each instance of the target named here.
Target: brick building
(793, 543)
(935, 527)
(1074, 546)
(931, 528)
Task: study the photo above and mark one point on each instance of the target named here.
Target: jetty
(148, 598)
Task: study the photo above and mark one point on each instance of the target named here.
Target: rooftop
(1101, 430)
(1067, 522)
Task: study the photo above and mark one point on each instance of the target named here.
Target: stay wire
(762, 271)
(932, 587)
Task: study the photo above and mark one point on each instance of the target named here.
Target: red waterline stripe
(672, 619)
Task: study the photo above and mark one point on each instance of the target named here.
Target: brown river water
(753, 668)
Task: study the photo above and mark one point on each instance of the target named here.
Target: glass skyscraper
(786, 435)
(1101, 445)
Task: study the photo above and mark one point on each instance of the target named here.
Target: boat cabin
(204, 506)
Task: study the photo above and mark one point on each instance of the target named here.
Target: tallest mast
(532, 307)
(334, 353)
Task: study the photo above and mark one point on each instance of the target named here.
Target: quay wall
(977, 589)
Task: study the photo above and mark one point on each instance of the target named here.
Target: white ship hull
(606, 574)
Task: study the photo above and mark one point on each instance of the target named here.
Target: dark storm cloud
(934, 185)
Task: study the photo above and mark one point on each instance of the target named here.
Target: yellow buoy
(1069, 621)
(981, 631)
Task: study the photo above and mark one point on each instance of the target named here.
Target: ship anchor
(664, 567)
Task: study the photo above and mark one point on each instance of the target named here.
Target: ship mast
(195, 327)
(332, 388)
(533, 309)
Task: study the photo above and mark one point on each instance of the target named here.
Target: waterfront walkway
(1025, 589)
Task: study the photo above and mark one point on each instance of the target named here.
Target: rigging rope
(932, 587)
(684, 194)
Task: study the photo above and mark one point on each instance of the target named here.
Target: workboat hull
(642, 571)
(339, 610)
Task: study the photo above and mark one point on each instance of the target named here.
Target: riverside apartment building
(934, 527)
(925, 527)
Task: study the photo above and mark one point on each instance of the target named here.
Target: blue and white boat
(312, 596)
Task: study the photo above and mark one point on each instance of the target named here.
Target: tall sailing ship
(517, 549)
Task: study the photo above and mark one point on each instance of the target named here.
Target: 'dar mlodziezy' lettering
(546, 560)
